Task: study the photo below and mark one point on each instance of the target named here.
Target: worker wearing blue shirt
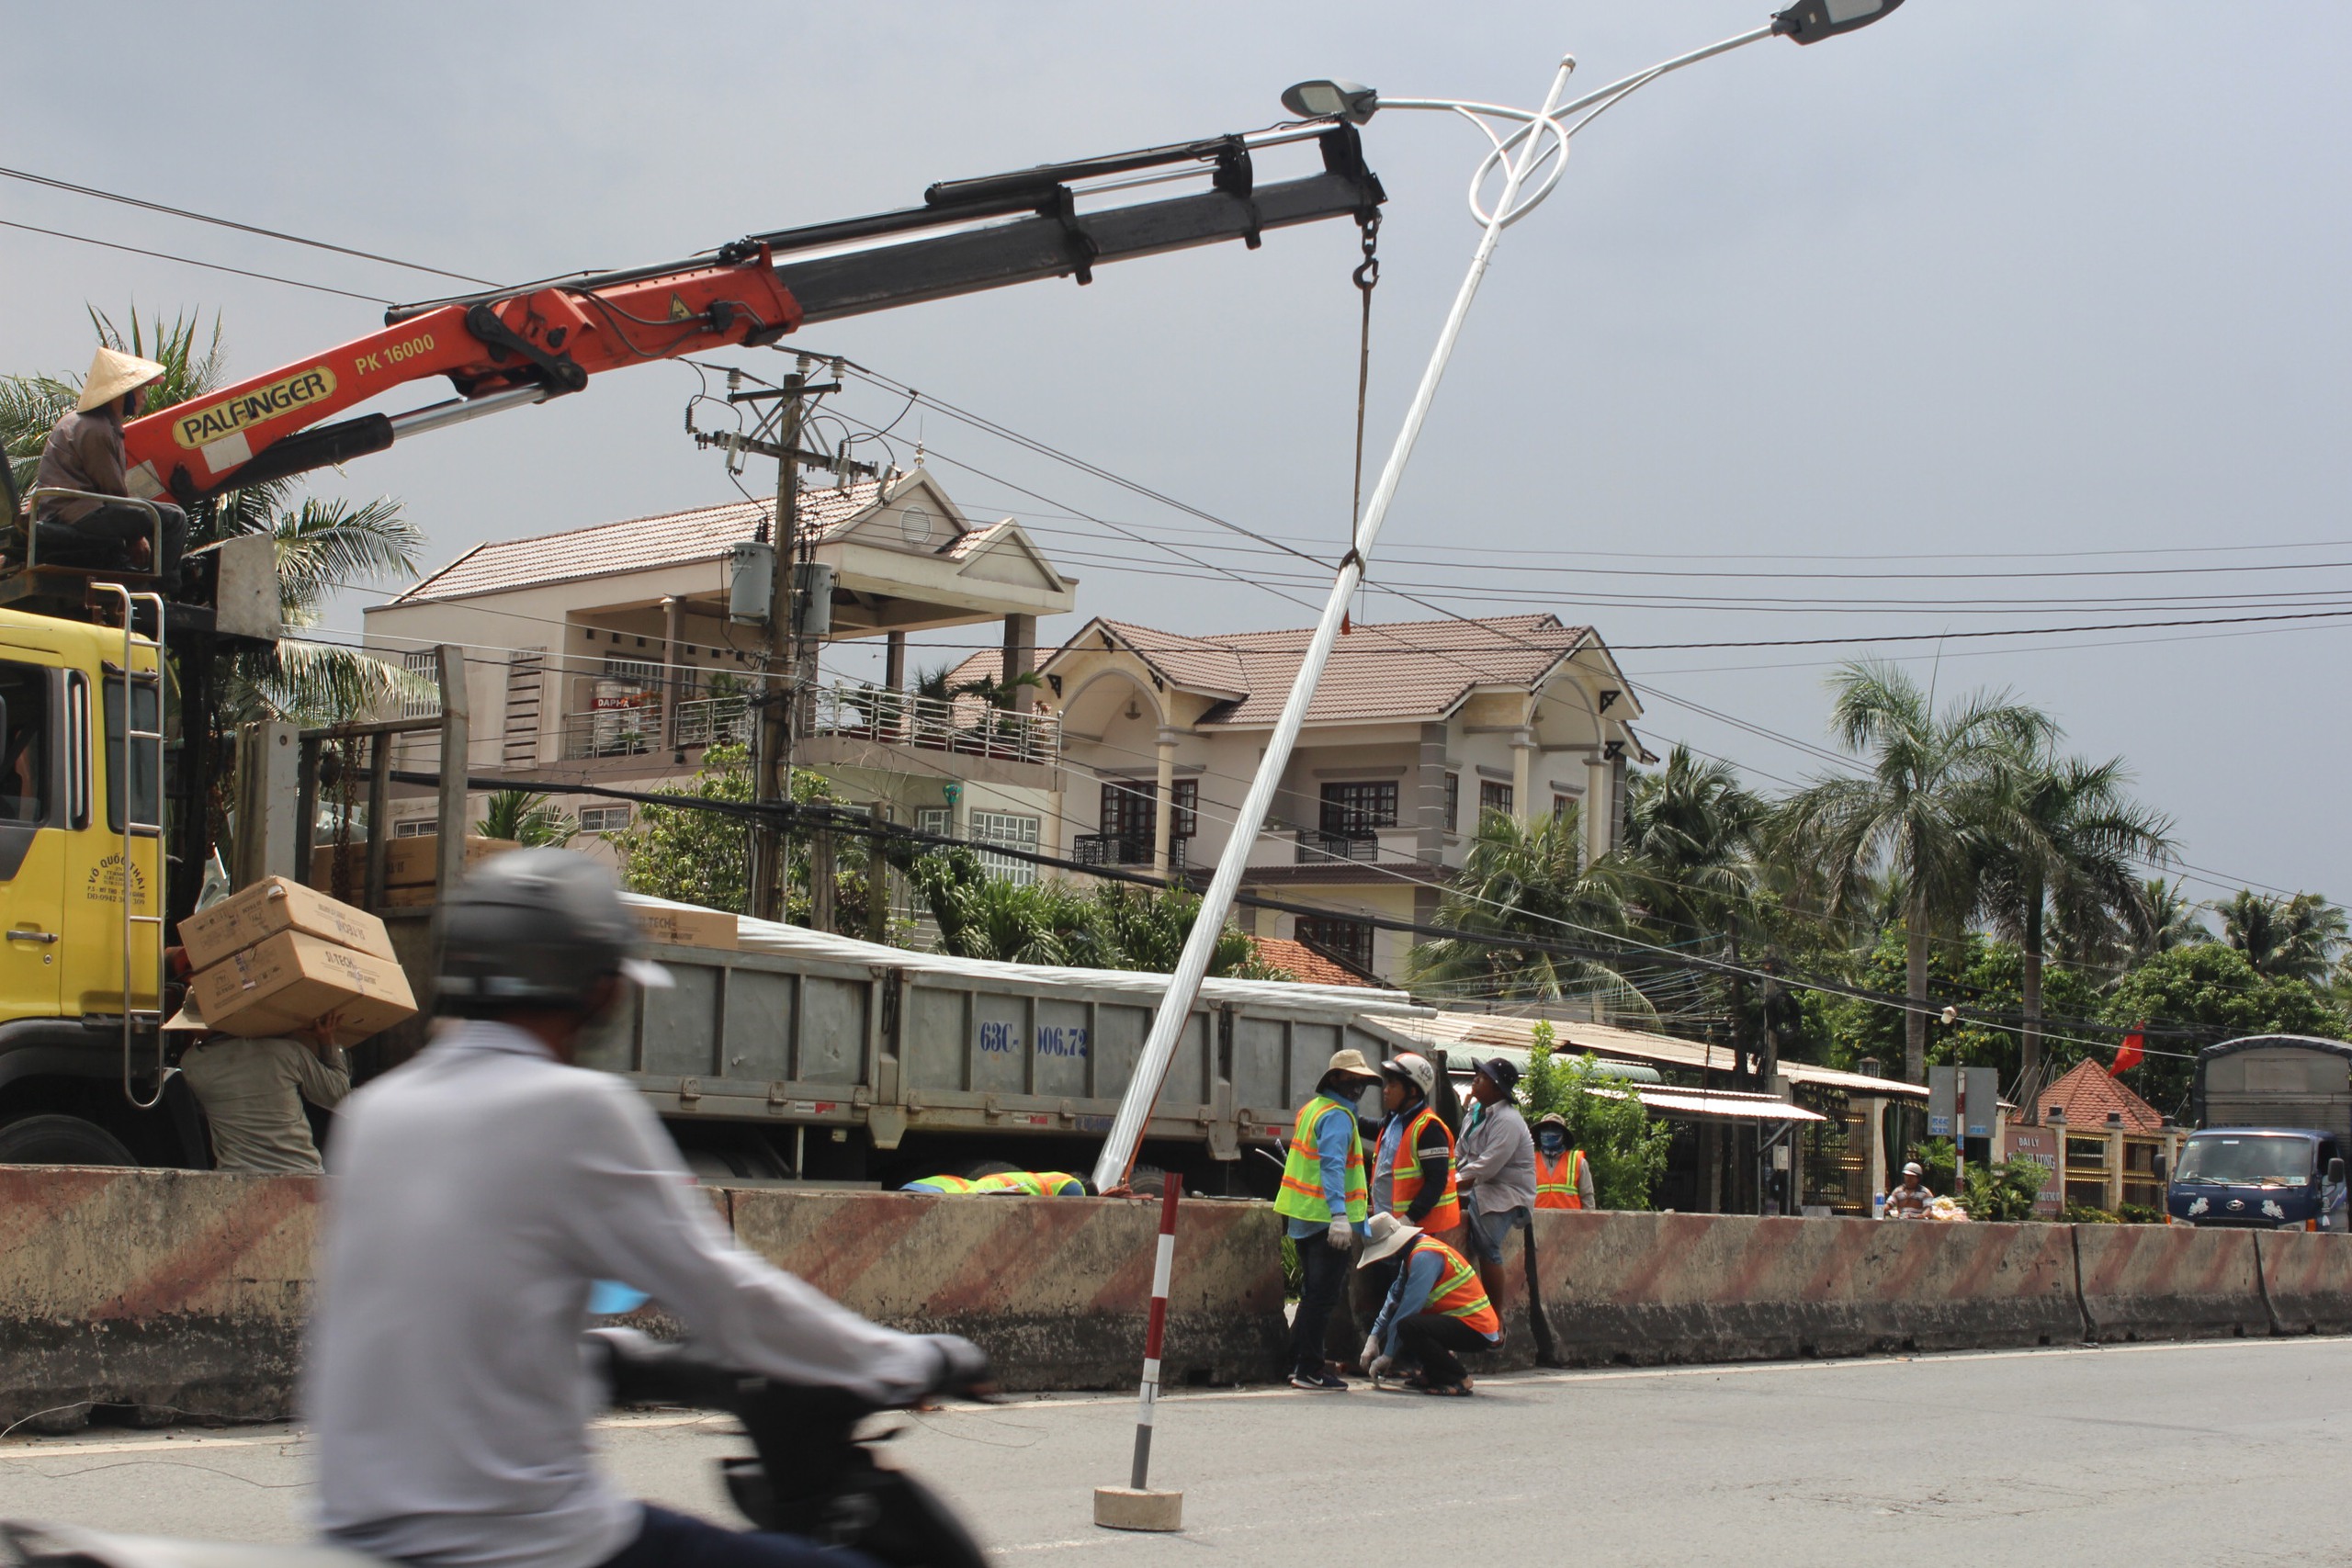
(1324, 1202)
(1436, 1308)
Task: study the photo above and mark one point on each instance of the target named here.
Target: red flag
(2128, 1054)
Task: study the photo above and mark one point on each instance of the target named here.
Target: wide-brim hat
(1383, 1234)
(113, 372)
(1553, 1119)
(1351, 1062)
(1504, 1073)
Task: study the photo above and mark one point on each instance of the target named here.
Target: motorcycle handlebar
(639, 1369)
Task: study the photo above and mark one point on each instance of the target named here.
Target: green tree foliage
(704, 857)
(2218, 990)
(1977, 974)
(1529, 881)
(2294, 938)
(1932, 808)
(1626, 1145)
(1110, 926)
(527, 817)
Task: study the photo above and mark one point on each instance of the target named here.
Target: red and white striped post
(1136, 1507)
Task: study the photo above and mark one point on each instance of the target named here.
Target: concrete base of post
(1125, 1508)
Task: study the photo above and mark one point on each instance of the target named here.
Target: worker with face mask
(1563, 1176)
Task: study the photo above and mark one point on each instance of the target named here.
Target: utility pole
(779, 696)
(799, 612)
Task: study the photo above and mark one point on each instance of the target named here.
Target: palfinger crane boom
(505, 348)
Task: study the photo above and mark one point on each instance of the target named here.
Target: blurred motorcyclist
(480, 1191)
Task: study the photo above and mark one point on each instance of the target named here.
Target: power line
(191, 261)
(92, 191)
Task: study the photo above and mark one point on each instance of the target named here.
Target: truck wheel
(51, 1139)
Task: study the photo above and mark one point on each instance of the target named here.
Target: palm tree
(2290, 939)
(1689, 854)
(2159, 919)
(322, 544)
(2072, 836)
(1937, 799)
(525, 817)
(1531, 882)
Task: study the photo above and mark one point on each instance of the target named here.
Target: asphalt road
(2232, 1453)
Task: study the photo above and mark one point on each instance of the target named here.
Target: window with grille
(646, 672)
(934, 819)
(1454, 803)
(604, 819)
(424, 666)
(1494, 796)
(415, 828)
(1562, 807)
(1354, 808)
(1014, 831)
(1347, 940)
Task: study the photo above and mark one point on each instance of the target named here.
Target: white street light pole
(1521, 156)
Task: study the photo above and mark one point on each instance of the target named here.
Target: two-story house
(605, 655)
(1416, 729)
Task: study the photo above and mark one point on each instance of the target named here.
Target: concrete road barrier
(1651, 1288)
(1056, 1289)
(182, 1292)
(2306, 1280)
(2169, 1282)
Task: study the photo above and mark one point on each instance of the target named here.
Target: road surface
(2232, 1453)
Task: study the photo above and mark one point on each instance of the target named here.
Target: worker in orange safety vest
(1563, 1176)
(1435, 1309)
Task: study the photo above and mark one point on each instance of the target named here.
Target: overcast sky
(2056, 289)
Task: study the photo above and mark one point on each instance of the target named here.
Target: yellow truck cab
(81, 893)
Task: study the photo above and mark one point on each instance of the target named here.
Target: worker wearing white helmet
(1412, 1167)
(1909, 1202)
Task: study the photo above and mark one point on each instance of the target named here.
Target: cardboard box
(291, 979)
(408, 862)
(686, 928)
(272, 904)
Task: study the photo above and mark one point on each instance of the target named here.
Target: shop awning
(1717, 1105)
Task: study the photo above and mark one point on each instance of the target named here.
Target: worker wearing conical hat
(85, 452)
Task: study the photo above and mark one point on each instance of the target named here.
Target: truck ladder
(133, 830)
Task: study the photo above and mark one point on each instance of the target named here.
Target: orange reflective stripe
(1405, 1181)
(1458, 1293)
(1301, 1195)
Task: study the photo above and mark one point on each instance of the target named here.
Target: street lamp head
(1810, 21)
(1350, 101)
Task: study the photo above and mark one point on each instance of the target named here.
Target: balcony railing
(1315, 848)
(965, 726)
(1123, 849)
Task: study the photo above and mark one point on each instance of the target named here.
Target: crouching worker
(1435, 1311)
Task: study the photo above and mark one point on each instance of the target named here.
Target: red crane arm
(549, 341)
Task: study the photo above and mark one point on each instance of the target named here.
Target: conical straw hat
(113, 372)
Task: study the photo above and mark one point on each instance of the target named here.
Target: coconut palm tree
(1529, 881)
(322, 544)
(1689, 857)
(2072, 835)
(526, 818)
(1934, 802)
(2161, 918)
(2291, 938)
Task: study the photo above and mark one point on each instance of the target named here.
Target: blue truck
(2274, 1119)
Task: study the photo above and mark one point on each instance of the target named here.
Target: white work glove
(1341, 1237)
(1378, 1368)
(1371, 1351)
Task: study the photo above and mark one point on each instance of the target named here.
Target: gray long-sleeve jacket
(1494, 1160)
(474, 1194)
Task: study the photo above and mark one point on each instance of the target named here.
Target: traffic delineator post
(1136, 1507)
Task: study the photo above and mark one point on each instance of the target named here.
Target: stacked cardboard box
(277, 956)
(676, 926)
(410, 866)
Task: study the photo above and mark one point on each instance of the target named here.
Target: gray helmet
(537, 928)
